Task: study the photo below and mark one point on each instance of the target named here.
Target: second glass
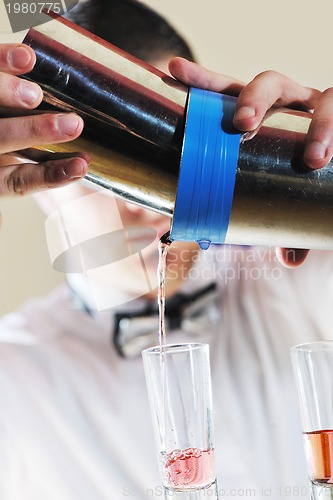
(179, 389)
(313, 368)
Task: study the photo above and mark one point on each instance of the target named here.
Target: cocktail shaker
(171, 149)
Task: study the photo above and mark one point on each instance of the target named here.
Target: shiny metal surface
(134, 126)
(277, 201)
(133, 113)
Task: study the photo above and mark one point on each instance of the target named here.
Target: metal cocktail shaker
(156, 143)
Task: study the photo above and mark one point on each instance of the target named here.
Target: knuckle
(322, 120)
(14, 86)
(51, 124)
(48, 177)
(269, 75)
(4, 51)
(8, 89)
(43, 127)
(328, 93)
(311, 98)
(262, 82)
(29, 178)
(35, 126)
(321, 126)
(16, 183)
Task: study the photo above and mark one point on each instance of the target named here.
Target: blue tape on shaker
(208, 170)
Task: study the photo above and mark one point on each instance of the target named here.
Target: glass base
(207, 493)
(321, 491)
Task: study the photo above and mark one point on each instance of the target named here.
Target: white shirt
(74, 416)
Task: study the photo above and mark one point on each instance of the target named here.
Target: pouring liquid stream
(192, 468)
(163, 247)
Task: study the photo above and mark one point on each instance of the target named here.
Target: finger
(16, 59)
(35, 155)
(291, 257)
(319, 140)
(28, 178)
(194, 75)
(26, 131)
(41, 156)
(18, 93)
(266, 90)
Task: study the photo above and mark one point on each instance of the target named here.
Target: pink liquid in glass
(319, 454)
(189, 468)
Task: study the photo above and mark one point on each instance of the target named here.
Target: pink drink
(189, 468)
(319, 454)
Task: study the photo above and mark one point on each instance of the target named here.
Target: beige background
(239, 38)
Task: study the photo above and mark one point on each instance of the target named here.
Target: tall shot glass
(313, 369)
(179, 390)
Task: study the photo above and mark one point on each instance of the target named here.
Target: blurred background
(236, 38)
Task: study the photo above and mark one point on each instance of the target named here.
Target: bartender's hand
(27, 131)
(265, 91)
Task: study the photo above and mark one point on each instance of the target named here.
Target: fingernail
(19, 57)
(74, 168)
(245, 112)
(68, 124)
(315, 151)
(29, 92)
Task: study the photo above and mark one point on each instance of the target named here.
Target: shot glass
(179, 390)
(313, 369)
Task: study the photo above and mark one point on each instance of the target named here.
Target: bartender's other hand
(22, 132)
(267, 90)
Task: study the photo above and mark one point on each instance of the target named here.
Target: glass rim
(173, 348)
(316, 345)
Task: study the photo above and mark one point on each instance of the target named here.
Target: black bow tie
(135, 331)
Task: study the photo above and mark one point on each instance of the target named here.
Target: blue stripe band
(208, 170)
